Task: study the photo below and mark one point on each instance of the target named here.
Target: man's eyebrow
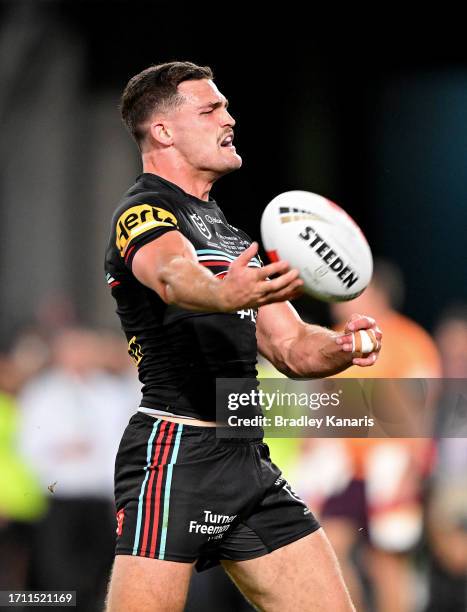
(216, 104)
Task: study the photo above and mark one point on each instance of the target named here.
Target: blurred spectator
(74, 415)
(30, 353)
(21, 500)
(369, 490)
(447, 503)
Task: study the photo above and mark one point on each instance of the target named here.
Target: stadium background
(372, 118)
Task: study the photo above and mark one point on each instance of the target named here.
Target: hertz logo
(139, 219)
(134, 350)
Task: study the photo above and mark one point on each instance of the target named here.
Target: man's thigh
(140, 584)
(302, 576)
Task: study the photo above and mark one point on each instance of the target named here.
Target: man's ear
(162, 133)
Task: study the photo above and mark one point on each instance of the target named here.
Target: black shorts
(182, 494)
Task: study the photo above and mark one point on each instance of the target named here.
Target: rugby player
(196, 304)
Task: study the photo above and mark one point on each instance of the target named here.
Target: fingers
(346, 340)
(242, 261)
(366, 361)
(280, 282)
(244, 258)
(358, 321)
(285, 285)
(375, 335)
(282, 288)
(283, 295)
(279, 267)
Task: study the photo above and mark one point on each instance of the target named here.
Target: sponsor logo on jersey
(140, 219)
(201, 225)
(135, 351)
(210, 219)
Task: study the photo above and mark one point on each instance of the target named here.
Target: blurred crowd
(65, 399)
(395, 509)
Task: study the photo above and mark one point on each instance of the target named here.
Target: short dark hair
(155, 89)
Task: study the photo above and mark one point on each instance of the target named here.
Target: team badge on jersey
(140, 219)
(201, 225)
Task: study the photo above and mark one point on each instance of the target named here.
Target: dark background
(366, 106)
(368, 110)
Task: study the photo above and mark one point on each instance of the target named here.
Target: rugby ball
(322, 241)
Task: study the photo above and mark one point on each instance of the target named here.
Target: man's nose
(227, 119)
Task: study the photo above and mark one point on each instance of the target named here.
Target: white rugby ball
(322, 241)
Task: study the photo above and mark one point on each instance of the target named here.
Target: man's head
(176, 109)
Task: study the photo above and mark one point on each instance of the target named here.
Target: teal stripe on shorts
(143, 486)
(168, 483)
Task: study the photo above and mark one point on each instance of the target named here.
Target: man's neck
(193, 182)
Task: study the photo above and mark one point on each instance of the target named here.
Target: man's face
(202, 128)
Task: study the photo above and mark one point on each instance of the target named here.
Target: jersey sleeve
(141, 223)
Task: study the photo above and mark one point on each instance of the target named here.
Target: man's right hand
(169, 266)
(245, 287)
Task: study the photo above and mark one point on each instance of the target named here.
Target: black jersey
(179, 353)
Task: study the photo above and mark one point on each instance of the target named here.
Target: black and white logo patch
(210, 219)
(201, 225)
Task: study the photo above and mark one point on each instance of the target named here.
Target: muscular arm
(300, 350)
(169, 266)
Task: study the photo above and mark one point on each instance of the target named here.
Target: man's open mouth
(227, 142)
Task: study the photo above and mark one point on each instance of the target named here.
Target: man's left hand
(347, 339)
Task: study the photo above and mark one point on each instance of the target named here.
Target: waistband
(154, 412)
(203, 434)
